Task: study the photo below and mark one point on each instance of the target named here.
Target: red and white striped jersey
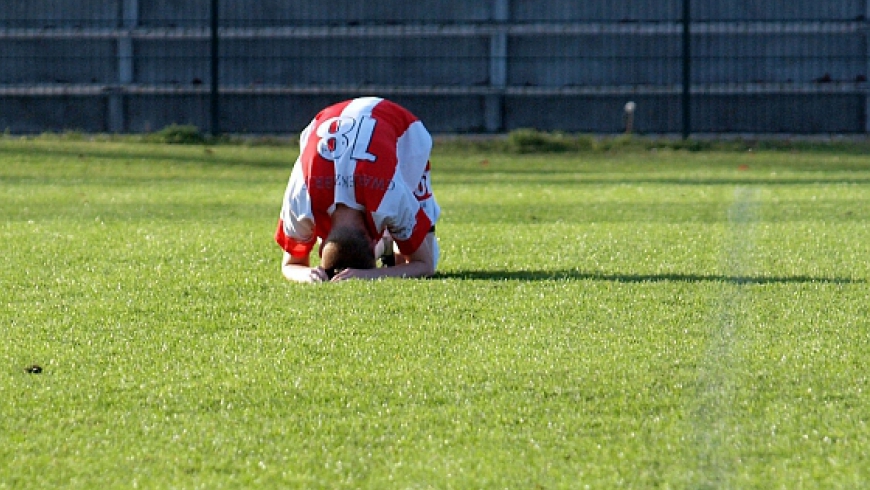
(368, 154)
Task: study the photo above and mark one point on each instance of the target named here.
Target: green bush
(534, 141)
(176, 134)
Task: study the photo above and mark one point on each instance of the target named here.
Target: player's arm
(298, 269)
(420, 263)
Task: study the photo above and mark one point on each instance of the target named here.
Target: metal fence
(267, 66)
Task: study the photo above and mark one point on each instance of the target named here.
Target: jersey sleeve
(401, 214)
(412, 153)
(295, 233)
(401, 211)
(422, 226)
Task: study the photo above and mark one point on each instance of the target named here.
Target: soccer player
(360, 184)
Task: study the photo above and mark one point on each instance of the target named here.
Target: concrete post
(498, 67)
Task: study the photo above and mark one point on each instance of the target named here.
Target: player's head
(347, 247)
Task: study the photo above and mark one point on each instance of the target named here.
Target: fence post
(117, 117)
(687, 69)
(867, 66)
(214, 99)
(494, 104)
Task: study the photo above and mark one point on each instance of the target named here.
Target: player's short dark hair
(347, 248)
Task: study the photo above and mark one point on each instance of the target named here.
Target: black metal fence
(267, 66)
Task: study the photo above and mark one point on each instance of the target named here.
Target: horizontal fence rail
(797, 67)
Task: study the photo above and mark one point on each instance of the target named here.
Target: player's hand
(355, 274)
(318, 274)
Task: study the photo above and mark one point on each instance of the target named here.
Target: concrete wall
(798, 66)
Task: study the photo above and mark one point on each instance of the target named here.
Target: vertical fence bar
(687, 69)
(214, 94)
(494, 106)
(867, 65)
(117, 117)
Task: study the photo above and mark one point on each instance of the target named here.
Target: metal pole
(214, 95)
(687, 70)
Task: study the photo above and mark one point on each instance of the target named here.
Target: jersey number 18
(339, 135)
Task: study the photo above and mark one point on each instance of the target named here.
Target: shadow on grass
(556, 275)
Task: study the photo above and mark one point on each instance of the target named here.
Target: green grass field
(607, 319)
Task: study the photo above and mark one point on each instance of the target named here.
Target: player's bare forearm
(303, 274)
(405, 271)
(297, 269)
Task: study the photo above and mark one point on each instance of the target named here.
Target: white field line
(717, 406)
